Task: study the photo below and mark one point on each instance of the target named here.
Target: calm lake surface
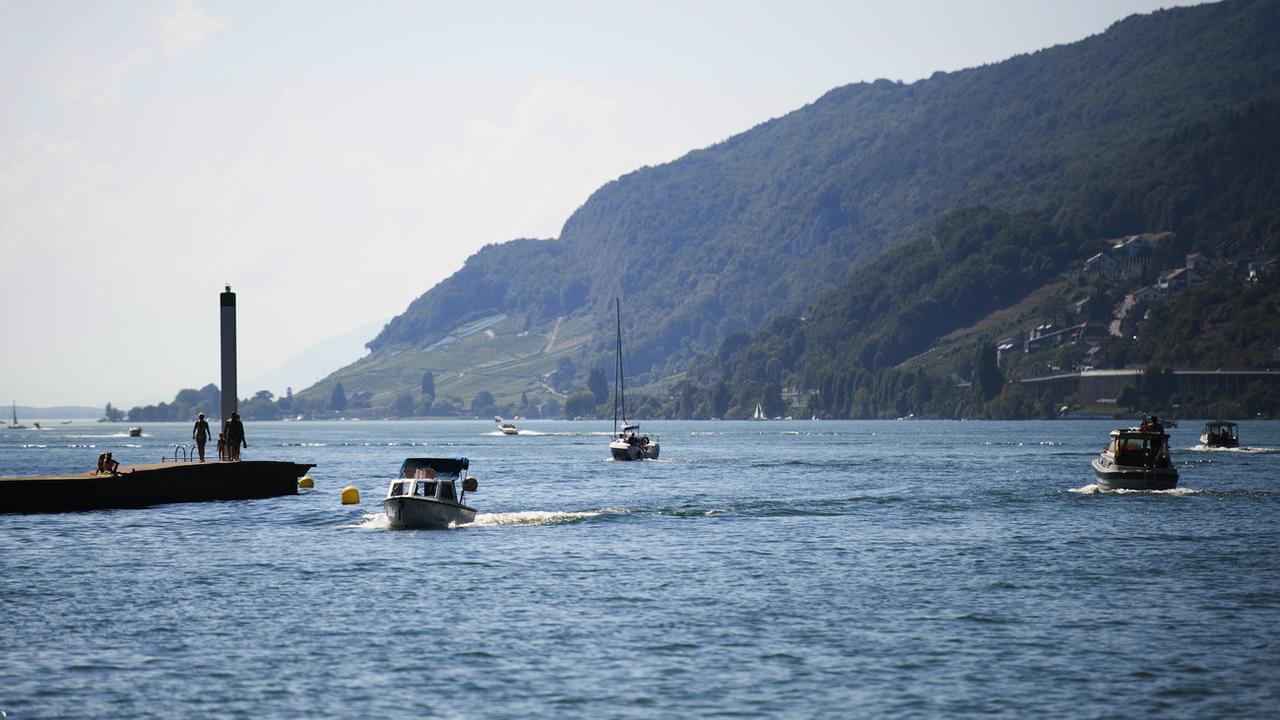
(785, 569)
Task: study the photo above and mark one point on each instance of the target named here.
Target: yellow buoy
(350, 496)
(306, 482)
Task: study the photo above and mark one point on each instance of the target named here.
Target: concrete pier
(153, 484)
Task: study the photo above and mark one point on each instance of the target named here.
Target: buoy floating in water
(306, 482)
(350, 495)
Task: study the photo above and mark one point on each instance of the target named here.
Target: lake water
(783, 569)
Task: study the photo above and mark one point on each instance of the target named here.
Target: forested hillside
(728, 236)
(1217, 184)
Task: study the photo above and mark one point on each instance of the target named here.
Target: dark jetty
(142, 485)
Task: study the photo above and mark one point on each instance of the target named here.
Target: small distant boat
(15, 425)
(759, 413)
(1136, 459)
(630, 443)
(425, 495)
(135, 432)
(1220, 433)
(508, 429)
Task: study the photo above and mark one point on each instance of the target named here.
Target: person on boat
(235, 437)
(1143, 427)
(200, 433)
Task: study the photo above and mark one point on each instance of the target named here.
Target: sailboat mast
(620, 390)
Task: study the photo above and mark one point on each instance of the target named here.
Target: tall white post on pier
(229, 402)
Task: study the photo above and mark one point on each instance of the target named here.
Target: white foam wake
(370, 521)
(1095, 489)
(1243, 450)
(531, 517)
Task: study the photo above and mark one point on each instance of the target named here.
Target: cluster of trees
(1157, 392)
(186, 404)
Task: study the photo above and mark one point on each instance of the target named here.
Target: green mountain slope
(911, 319)
(727, 236)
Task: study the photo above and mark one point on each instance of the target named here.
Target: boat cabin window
(398, 488)
(425, 489)
(1131, 450)
(446, 492)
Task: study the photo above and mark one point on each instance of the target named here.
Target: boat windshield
(425, 489)
(446, 492)
(1137, 449)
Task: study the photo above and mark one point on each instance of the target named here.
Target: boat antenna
(620, 396)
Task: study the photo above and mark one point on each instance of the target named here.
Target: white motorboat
(630, 443)
(135, 432)
(507, 428)
(1136, 459)
(425, 495)
(1220, 433)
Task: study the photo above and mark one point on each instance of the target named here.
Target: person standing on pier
(235, 437)
(200, 433)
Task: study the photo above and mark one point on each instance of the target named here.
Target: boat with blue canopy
(426, 495)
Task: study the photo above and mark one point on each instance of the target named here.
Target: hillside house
(1101, 264)
(1260, 267)
(1044, 337)
(1131, 247)
(1174, 280)
(1004, 347)
(1197, 262)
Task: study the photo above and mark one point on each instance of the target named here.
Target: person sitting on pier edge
(200, 433)
(107, 465)
(235, 437)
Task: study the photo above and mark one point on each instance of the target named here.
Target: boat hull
(625, 451)
(426, 513)
(1218, 443)
(1130, 477)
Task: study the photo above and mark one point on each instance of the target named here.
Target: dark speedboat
(1136, 459)
(1220, 434)
(425, 495)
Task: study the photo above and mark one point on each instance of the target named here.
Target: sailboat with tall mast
(14, 425)
(629, 443)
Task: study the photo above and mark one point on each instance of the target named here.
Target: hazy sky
(334, 160)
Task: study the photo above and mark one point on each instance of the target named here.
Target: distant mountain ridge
(58, 412)
(730, 235)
